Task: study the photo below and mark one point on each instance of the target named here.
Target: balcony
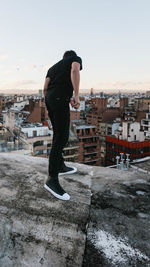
(145, 122)
(42, 147)
(91, 160)
(91, 153)
(87, 136)
(70, 156)
(40, 138)
(90, 144)
(71, 147)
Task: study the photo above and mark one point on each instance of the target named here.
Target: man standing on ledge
(61, 80)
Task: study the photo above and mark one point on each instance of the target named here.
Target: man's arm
(75, 78)
(47, 80)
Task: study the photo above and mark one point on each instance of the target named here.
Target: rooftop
(31, 125)
(143, 164)
(105, 223)
(78, 127)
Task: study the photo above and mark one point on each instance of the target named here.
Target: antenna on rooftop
(124, 163)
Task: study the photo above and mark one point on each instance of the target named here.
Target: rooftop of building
(143, 164)
(111, 114)
(80, 124)
(15, 110)
(105, 223)
(78, 127)
(32, 124)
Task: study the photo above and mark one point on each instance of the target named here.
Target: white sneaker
(53, 186)
(67, 170)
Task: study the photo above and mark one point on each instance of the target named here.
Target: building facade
(146, 125)
(130, 131)
(2, 106)
(89, 145)
(115, 146)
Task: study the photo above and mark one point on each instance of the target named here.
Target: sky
(111, 36)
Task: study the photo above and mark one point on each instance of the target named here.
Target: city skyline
(112, 38)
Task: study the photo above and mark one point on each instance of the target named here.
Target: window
(38, 143)
(34, 133)
(87, 131)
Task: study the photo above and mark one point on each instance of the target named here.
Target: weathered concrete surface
(143, 165)
(36, 229)
(119, 224)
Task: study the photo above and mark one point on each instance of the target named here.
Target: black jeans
(59, 114)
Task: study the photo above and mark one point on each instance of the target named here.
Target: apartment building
(94, 118)
(94, 110)
(130, 131)
(143, 103)
(100, 104)
(123, 104)
(40, 138)
(71, 150)
(20, 104)
(75, 113)
(89, 144)
(2, 106)
(145, 123)
(115, 146)
(13, 117)
(96, 114)
(106, 129)
(128, 139)
(37, 111)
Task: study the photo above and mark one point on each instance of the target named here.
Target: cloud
(125, 85)
(20, 84)
(21, 67)
(23, 83)
(34, 67)
(131, 84)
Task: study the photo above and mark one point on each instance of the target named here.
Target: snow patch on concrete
(117, 250)
(91, 173)
(140, 192)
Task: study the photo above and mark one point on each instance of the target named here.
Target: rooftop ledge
(105, 223)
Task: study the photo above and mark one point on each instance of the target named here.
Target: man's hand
(75, 102)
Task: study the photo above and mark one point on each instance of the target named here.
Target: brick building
(94, 118)
(74, 115)
(123, 104)
(95, 109)
(2, 106)
(115, 146)
(106, 129)
(89, 144)
(99, 103)
(143, 104)
(37, 109)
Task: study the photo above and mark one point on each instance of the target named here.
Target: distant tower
(92, 92)
(101, 94)
(40, 93)
(119, 94)
(123, 103)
